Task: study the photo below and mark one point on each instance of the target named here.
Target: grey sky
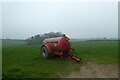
(77, 20)
(0, 20)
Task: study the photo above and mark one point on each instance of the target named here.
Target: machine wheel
(44, 52)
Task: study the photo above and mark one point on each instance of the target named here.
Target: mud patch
(94, 70)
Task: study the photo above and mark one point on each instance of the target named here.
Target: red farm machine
(59, 46)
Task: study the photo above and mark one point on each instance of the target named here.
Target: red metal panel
(57, 44)
(64, 44)
(53, 39)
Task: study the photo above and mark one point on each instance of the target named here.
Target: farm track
(94, 70)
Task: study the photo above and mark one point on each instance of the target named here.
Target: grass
(12, 43)
(0, 58)
(105, 52)
(26, 61)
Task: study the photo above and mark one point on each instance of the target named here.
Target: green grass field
(26, 61)
(12, 43)
(0, 58)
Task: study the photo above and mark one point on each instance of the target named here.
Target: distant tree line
(37, 39)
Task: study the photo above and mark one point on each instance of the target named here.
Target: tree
(37, 39)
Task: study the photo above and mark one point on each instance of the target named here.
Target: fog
(76, 20)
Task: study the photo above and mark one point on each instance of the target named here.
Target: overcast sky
(76, 20)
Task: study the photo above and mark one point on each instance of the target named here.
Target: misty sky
(76, 20)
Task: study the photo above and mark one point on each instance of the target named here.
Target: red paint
(57, 44)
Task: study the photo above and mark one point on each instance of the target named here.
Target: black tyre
(44, 52)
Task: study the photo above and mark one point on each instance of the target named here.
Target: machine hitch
(71, 56)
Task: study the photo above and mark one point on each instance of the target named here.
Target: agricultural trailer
(59, 46)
